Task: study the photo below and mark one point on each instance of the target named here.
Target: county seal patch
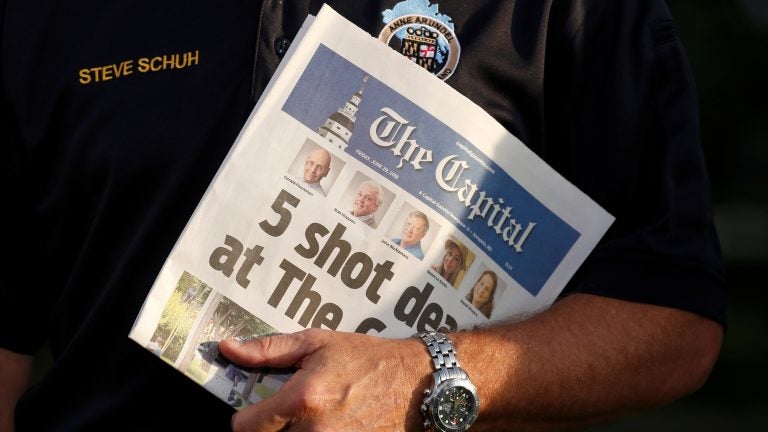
(417, 30)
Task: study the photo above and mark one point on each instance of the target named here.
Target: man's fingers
(295, 407)
(279, 351)
(269, 415)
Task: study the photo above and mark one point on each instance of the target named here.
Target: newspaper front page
(364, 195)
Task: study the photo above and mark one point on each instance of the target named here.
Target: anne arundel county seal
(419, 32)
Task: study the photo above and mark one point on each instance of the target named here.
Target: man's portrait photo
(316, 168)
(366, 200)
(413, 231)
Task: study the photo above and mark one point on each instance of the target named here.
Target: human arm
(586, 360)
(15, 370)
(625, 130)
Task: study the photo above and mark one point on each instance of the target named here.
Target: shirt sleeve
(25, 309)
(632, 131)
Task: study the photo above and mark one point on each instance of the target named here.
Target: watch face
(455, 406)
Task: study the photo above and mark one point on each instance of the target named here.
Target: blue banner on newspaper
(434, 164)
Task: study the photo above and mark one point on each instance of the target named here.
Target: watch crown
(423, 408)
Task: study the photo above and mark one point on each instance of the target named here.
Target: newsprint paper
(364, 195)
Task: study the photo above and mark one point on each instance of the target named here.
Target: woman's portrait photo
(483, 292)
(455, 262)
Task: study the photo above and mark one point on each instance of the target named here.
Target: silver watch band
(443, 355)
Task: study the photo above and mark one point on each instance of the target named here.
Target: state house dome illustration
(339, 126)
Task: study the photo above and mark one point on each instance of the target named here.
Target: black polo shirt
(116, 115)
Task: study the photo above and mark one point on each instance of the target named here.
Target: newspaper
(365, 195)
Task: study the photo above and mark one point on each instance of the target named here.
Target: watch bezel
(432, 402)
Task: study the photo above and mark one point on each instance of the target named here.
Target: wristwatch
(452, 404)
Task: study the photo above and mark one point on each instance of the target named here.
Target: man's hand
(344, 382)
(585, 360)
(14, 378)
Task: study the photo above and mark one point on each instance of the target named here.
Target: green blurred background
(727, 44)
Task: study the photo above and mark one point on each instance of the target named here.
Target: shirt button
(281, 45)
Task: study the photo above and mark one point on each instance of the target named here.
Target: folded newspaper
(362, 195)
